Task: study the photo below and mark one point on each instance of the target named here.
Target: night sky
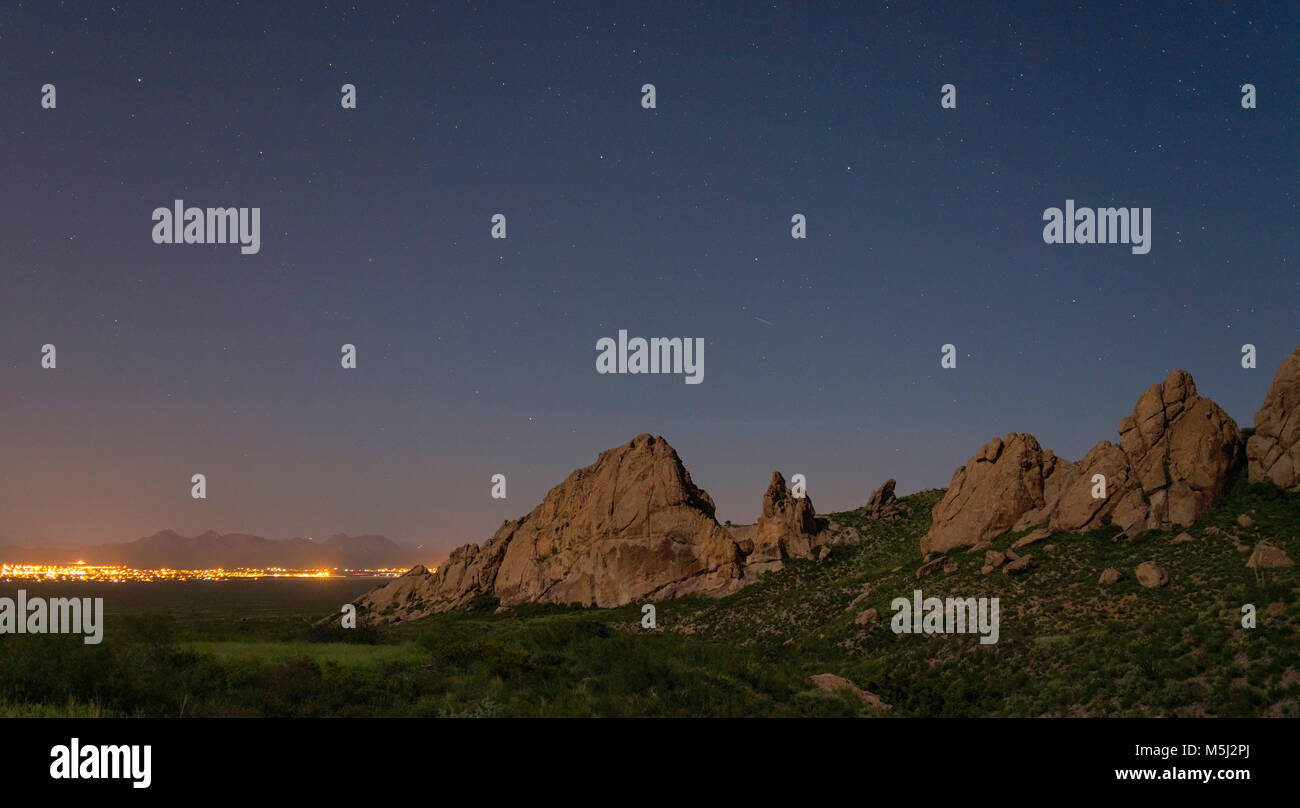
(477, 356)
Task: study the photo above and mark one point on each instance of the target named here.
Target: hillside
(1152, 577)
(1068, 645)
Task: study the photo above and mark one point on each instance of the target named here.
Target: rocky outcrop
(838, 684)
(398, 600)
(631, 526)
(1181, 448)
(1175, 456)
(988, 495)
(1058, 475)
(1273, 452)
(787, 527)
(883, 503)
(1176, 453)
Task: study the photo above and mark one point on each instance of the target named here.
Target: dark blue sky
(478, 356)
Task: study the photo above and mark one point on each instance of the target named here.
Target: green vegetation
(1068, 646)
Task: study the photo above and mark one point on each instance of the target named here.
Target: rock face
(631, 526)
(988, 495)
(402, 599)
(1077, 509)
(1181, 448)
(1175, 455)
(470, 571)
(1273, 452)
(787, 528)
(883, 503)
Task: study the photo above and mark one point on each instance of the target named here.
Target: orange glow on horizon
(80, 571)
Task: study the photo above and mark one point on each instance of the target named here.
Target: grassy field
(342, 654)
(1068, 646)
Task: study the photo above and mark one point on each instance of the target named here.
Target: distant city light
(81, 571)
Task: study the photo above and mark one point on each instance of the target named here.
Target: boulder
(1267, 556)
(1032, 538)
(1245, 521)
(1020, 565)
(838, 684)
(867, 618)
(1150, 574)
(1110, 575)
(1273, 452)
